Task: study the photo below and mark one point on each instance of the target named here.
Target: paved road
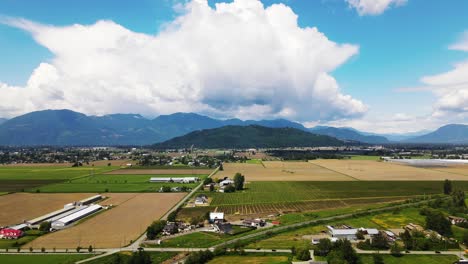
(412, 252)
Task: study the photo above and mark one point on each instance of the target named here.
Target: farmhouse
(343, 233)
(201, 199)
(63, 222)
(413, 227)
(9, 233)
(175, 179)
(223, 228)
(226, 182)
(216, 217)
(170, 228)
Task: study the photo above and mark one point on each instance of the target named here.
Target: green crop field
(364, 157)
(412, 259)
(114, 183)
(251, 259)
(42, 259)
(284, 192)
(50, 172)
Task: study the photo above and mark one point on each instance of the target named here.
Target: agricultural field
(17, 207)
(16, 178)
(251, 260)
(114, 183)
(457, 169)
(42, 259)
(156, 257)
(188, 171)
(368, 170)
(116, 227)
(281, 171)
(412, 259)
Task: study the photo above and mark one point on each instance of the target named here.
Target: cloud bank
(238, 59)
(373, 7)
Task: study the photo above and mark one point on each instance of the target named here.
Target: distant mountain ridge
(349, 134)
(448, 134)
(66, 127)
(251, 136)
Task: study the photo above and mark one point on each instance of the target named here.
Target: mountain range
(66, 127)
(251, 136)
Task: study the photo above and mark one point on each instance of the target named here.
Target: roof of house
(216, 215)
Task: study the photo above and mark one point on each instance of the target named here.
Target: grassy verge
(42, 259)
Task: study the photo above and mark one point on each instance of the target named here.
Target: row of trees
(155, 229)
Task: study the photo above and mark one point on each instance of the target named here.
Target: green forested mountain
(252, 136)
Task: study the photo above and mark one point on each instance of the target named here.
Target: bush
(303, 254)
(395, 250)
(45, 226)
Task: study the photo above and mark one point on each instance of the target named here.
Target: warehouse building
(63, 222)
(90, 200)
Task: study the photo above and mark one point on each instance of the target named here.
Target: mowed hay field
(368, 170)
(282, 171)
(17, 207)
(161, 171)
(115, 227)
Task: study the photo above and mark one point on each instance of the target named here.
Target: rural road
(456, 253)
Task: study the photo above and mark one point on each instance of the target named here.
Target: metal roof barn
(75, 216)
(91, 199)
(49, 215)
(60, 216)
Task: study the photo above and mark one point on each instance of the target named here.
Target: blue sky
(396, 48)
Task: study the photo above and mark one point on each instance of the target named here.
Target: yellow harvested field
(368, 170)
(117, 226)
(18, 207)
(282, 171)
(459, 169)
(160, 171)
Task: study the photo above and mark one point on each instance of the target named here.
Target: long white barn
(177, 180)
(62, 222)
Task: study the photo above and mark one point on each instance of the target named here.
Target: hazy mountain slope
(449, 134)
(349, 134)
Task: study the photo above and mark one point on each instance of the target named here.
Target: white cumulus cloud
(373, 7)
(462, 44)
(238, 59)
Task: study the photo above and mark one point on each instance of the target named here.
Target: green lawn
(251, 260)
(156, 257)
(364, 157)
(413, 259)
(114, 183)
(254, 161)
(42, 259)
(196, 240)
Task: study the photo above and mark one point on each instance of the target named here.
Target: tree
(211, 187)
(207, 181)
(395, 250)
(458, 198)
(90, 249)
(78, 248)
(239, 181)
(303, 254)
(379, 242)
(407, 240)
(437, 221)
(166, 189)
(172, 216)
(360, 235)
(221, 168)
(219, 251)
(324, 247)
(45, 226)
(378, 259)
(447, 187)
(155, 228)
(229, 189)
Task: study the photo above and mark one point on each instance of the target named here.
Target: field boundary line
(344, 174)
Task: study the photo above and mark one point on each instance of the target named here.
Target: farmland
(413, 259)
(115, 183)
(43, 259)
(187, 171)
(367, 170)
(156, 257)
(282, 171)
(17, 207)
(116, 227)
(251, 260)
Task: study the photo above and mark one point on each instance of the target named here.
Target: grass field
(17, 207)
(188, 171)
(412, 259)
(364, 157)
(49, 173)
(251, 260)
(368, 170)
(194, 240)
(115, 227)
(114, 183)
(156, 257)
(42, 259)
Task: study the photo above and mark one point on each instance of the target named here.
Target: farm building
(414, 227)
(215, 217)
(456, 220)
(176, 180)
(254, 222)
(9, 233)
(90, 200)
(170, 228)
(223, 228)
(63, 222)
(19, 227)
(343, 233)
(201, 199)
(43, 218)
(76, 209)
(226, 182)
